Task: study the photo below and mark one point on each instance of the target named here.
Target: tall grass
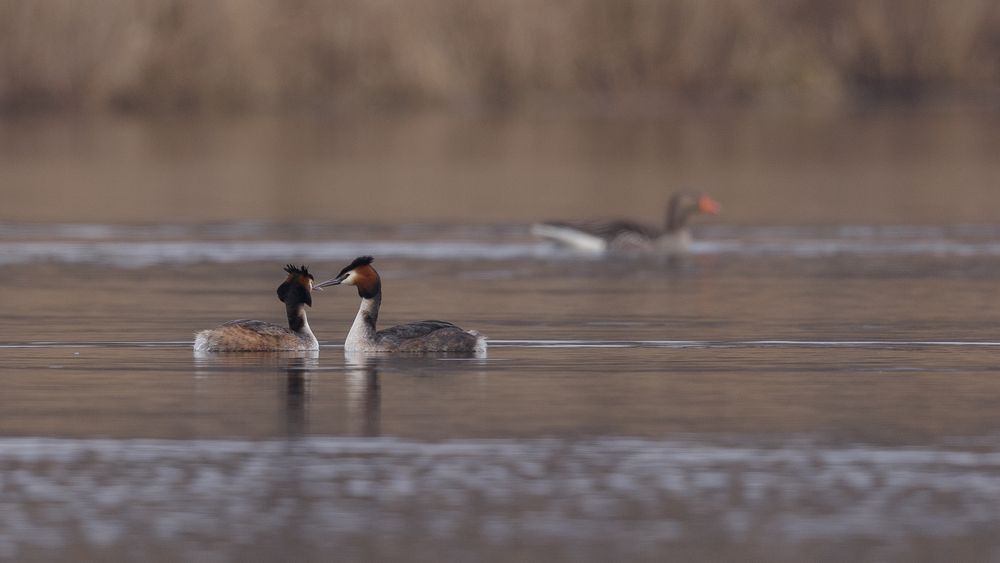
(238, 55)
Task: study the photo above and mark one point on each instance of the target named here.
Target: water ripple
(587, 344)
(146, 246)
(142, 254)
(628, 495)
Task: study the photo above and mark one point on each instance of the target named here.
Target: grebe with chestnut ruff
(624, 237)
(245, 335)
(420, 336)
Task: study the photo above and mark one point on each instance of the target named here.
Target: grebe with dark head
(244, 335)
(420, 336)
(627, 237)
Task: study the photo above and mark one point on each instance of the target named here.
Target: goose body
(627, 237)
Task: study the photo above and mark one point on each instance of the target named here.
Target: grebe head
(297, 287)
(360, 274)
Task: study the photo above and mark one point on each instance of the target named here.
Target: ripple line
(571, 343)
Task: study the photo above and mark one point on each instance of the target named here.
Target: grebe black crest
(625, 237)
(358, 262)
(420, 336)
(244, 335)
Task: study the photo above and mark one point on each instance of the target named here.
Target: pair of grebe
(296, 293)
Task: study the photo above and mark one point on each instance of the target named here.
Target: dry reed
(277, 55)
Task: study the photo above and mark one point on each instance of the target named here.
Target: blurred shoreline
(488, 56)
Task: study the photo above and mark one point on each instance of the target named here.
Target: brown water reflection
(893, 167)
(904, 397)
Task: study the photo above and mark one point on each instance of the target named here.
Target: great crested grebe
(244, 335)
(628, 237)
(420, 336)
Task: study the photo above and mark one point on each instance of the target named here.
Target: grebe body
(247, 335)
(626, 237)
(420, 336)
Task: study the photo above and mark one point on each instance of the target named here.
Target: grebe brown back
(245, 335)
(623, 237)
(420, 336)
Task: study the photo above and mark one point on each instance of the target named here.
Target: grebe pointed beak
(335, 281)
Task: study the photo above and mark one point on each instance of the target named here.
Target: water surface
(816, 381)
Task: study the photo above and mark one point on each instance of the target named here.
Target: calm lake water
(817, 381)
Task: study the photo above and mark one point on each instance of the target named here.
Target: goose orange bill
(708, 205)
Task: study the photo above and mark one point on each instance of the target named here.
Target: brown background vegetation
(330, 55)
